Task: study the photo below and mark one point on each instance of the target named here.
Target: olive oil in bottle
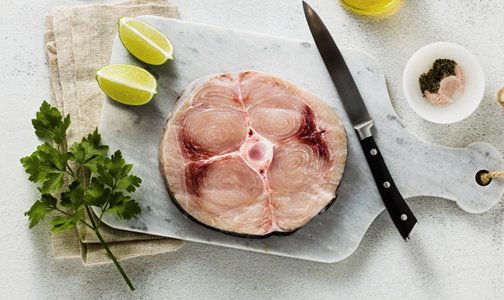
(372, 7)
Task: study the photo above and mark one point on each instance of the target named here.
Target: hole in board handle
(479, 180)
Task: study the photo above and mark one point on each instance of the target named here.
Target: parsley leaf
(49, 124)
(97, 194)
(123, 206)
(62, 223)
(73, 197)
(112, 178)
(115, 174)
(129, 183)
(89, 152)
(108, 187)
(47, 165)
(41, 208)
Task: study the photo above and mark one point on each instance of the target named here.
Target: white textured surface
(455, 255)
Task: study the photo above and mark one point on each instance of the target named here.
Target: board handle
(399, 211)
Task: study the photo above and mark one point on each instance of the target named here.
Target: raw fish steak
(251, 154)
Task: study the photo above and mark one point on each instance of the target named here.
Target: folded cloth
(79, 42)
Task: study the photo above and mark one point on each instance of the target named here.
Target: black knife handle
(399, 211)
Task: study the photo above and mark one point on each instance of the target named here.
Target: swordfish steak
(251, 154)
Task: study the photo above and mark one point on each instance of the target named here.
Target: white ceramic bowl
(464, 104)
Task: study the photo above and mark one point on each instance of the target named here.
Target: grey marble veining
(418, 167)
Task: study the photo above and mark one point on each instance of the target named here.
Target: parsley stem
(100, 218)
(105, 206)
(71, 174)
(111, 255)
(70, 171)
(62, 146)
(62, 211)
(70, 215)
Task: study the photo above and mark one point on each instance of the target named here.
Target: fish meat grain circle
(250, 154)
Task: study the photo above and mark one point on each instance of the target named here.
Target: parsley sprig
(96, 179)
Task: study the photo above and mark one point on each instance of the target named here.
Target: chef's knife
(361, 121)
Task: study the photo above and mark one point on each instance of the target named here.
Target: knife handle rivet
(373, 151)
(404, 217)
(386, 184)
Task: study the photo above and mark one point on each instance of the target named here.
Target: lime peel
(127, 84)
(123, 82)
(124, 23)
(144, 42)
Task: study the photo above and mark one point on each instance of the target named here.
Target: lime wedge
(144, 41)
(127, 84)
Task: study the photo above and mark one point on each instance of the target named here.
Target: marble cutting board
(418, 167)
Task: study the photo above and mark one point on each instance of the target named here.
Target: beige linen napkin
(79, 42)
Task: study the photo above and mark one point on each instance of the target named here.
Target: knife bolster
(364, 129)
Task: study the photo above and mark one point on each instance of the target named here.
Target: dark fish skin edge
(231, 233)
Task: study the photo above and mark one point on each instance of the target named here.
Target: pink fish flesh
(250, 154)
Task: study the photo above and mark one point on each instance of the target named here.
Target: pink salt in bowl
(465, 102)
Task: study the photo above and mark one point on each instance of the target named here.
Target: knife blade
(355, 107)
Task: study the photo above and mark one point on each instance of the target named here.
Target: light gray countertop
(455, 254)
